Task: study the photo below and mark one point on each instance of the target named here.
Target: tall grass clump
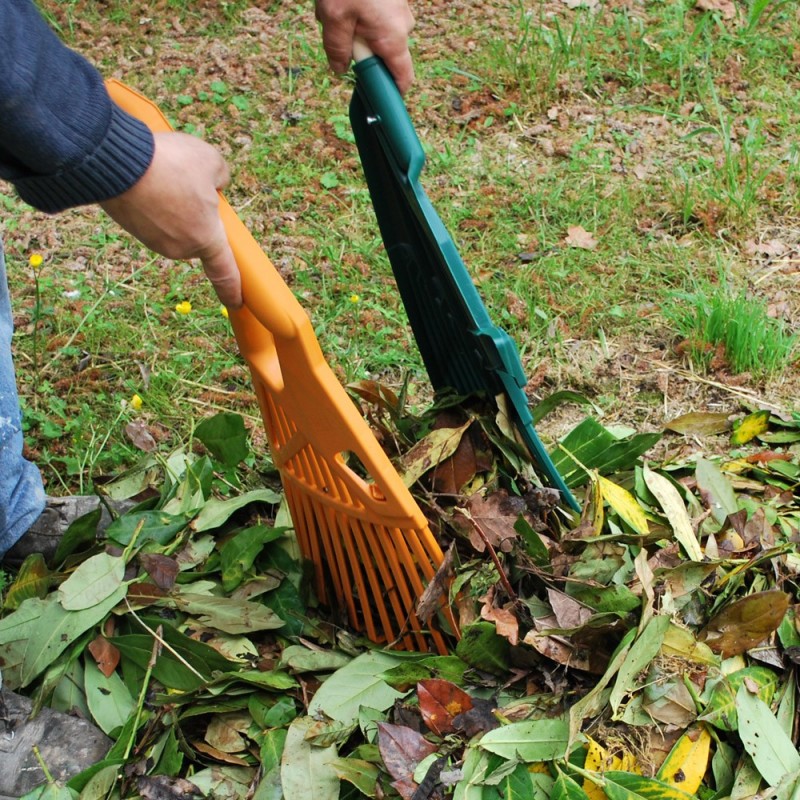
(751, 341)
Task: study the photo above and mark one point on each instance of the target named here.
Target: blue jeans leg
(22, 496)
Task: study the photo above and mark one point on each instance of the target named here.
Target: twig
(512, 595)
(745, 393)
(160, 639)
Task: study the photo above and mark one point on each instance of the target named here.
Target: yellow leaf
(598, 759)
(670, 500)
(750, 427)
(687, 762)
(624, 503)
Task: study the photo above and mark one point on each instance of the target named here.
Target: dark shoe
(67, 745)
(47, 531)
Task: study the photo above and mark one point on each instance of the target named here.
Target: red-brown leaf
(439, 702)
(105, 655)
(402, 749)
(162, 569)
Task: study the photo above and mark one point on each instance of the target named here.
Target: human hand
(383, 24)
(174, 209)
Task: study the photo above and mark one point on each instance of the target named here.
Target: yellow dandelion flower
(36, 260)
(224, 311)
(184, 308)
(354, 298)
(136, 402)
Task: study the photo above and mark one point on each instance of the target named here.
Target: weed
(750, 339)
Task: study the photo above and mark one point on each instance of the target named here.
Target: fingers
(398, 62)
(220, 268)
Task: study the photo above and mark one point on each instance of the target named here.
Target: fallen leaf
(726, 8)
(162, 569)
(751, 426)
(505, 621)
(745, 623)
(139, 434)
(435, 593)
(106, 656)
(440, 702)
(493, 517)
(700, 423)
(578, 237)
(402, 749)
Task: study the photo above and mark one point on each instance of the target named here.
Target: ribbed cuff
(117, 164)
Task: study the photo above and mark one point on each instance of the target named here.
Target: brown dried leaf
(402, 749)
(435, 593)
(138, 432)
(745, 623)
(225, 758)
(226, 732)
(579, 237)
(162, 787)
(105, 654)
(569, 613)
(700, 423)
(727, 8)
(504, 619)
(493, 517)
(439, 702)
(162, 569)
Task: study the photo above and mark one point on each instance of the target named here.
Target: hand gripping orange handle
(276, 308)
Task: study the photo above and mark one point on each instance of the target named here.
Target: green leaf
(542, 409)
(595, 447)
(481, 647)
(717, 488)
(302, 659)
(363, 775)
(329, 180)
(82, 532)
(627, 786)
(56, 629)
(93, 581)
(517, 785)
(287, 602)
(272, 747)
(156, 526)
(239, 552)
(566, 788)
(721, 711)
(771, 749)
(529, 741)
(108, 698)
(642, 652)
(169, 669)
(307, 771)
(354, 685)
(216, 512)
(224, 435)
(228, 615)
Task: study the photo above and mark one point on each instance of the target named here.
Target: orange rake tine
(370, 543)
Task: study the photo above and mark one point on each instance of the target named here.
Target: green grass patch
(750, 340)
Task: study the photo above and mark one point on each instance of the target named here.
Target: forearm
(62, 141)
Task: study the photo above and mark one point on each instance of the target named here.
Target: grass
(735, 327)
(666, 133)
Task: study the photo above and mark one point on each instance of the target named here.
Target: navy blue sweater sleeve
(63, 142)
